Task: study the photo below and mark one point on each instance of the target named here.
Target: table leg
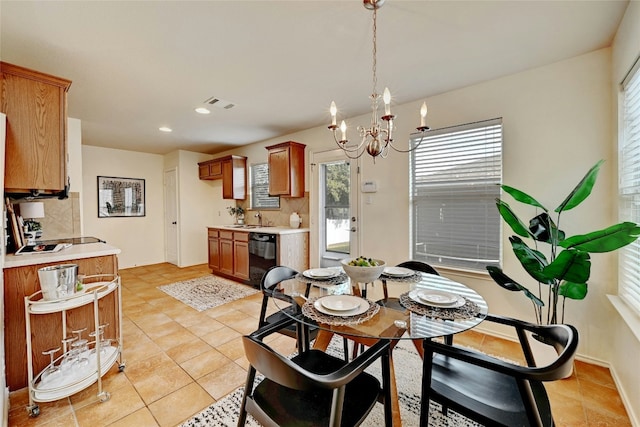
(322, 340)
(395, 403)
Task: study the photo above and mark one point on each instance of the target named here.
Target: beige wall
(200, 205)
(141, 239)
(624, 342)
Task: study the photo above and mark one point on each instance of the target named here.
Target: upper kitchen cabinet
(211, 169)
(233, 172)
(36, 141)
(286, 169)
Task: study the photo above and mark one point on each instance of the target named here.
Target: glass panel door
(336, 207)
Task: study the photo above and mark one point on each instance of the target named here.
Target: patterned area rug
(207, 292)
(224, 413)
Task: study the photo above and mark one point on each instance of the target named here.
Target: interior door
(336, 205)
(171, 216)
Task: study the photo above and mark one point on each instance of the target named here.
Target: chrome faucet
(259, 216)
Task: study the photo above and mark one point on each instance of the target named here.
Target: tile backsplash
(61, 217)
(280, 217)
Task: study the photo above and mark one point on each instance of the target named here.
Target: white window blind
(455, 177)
(260, 199)
(629, 187)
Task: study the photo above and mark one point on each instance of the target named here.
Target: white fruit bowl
(362, 274)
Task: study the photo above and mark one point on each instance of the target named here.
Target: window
(455, 177)
(260, 199)
(629, 186)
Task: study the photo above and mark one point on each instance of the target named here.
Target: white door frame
(315, 206)
(171, 218)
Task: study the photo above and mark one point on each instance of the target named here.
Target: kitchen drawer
(240, 237)
(227, 235)
(212, 232)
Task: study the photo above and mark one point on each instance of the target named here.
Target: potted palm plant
(563, 269)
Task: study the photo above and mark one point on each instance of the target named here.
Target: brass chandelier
(377, 139)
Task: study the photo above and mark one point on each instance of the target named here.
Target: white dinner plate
(320, 273)
(397, 272)
(437, 298)
(360, 305)
(340, 302)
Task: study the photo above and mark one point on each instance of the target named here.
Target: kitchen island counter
(88, 250)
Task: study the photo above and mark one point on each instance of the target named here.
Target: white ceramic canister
(295, 220)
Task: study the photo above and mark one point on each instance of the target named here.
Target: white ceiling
(139, 65)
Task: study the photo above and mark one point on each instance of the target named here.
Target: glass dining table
(410, 306)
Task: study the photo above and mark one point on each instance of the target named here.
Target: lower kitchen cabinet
(214, 250)
(229, 253)
(241, 255)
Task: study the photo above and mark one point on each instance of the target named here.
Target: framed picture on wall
(118, 197)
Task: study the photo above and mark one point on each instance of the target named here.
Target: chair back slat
(274, 366)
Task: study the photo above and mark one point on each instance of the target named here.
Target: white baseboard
(633, 417)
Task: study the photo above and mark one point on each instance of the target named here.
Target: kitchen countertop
(87, 250)
(268, 230)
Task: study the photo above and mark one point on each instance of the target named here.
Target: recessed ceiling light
(165, 129)
(202, 110)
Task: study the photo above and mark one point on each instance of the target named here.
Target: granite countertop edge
(87, 250)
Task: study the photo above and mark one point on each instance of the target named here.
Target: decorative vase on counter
(295, 220)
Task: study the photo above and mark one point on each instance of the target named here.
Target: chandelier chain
(375, 53)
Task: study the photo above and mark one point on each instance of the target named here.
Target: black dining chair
(420, 266)
(492, 391)
(394, 303)
(313, 388)
(268, 284)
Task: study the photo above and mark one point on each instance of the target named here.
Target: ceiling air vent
(220, 103)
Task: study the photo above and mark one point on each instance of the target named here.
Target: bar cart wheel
(33, 410)
(104, 396)
(121, 367)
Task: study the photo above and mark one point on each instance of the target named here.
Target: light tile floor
(179, 361)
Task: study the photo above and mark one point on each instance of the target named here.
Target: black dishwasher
(262, 255)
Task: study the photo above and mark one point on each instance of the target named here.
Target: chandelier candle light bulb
(423, 115)
(333, 110)
(386, 97)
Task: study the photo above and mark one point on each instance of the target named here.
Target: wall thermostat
(369, 186)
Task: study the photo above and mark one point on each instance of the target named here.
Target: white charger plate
(434, 298)
(341, 305)
(320, 273)
(397, 272)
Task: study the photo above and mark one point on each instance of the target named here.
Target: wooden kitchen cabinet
(36, 138)
(211, 169)
(233, 172)
(214, 250)
(229, 253)
(241, 255)
(226, 253)
(286, 169)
